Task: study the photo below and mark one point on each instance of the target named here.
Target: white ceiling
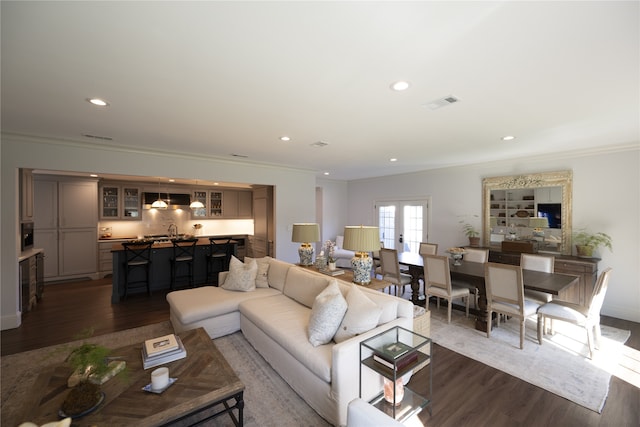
(224, 78)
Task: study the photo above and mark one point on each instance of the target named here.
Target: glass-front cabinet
(215, 203)
(200, 196)
(120, 202)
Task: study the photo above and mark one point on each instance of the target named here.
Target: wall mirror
(528, 207)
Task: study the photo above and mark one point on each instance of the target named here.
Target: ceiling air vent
(320, 144)
(102, 138)
(442, 102)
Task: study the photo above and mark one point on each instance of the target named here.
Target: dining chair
(218, 258)
(505, 295)
(390, 269)
(586, 316)
(543, 263)
(437, 283)
(473, 255)
(428, 248)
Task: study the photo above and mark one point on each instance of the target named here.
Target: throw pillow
(263, 271)
(326, 314)
(362, 315)
(241, 277)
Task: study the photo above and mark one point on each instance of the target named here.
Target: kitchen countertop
(202, 241)
(29, 253)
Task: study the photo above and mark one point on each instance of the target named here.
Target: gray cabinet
(223, 204)
(120, 202)
(26, 195)
(65, 221)
(259, 244)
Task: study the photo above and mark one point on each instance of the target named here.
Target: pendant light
(196, 204)
(159, 204)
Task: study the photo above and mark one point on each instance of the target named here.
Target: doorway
(403, 224)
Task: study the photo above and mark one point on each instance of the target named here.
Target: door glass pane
(386, 224)
(412, 234)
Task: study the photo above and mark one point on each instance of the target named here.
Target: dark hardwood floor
(466, 392)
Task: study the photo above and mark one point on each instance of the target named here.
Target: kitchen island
(160, 271)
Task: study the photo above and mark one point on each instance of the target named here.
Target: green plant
(89, 359)
(593, 240)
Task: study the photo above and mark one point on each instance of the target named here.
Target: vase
(332, 266)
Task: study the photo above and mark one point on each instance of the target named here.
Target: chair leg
(467, 312)
(522, 333)
(590, 341)
(449, 311)
(541, 326)
(489, 315)
(598, 334)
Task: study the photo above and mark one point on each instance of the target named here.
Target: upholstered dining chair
(437, 283)
(505, 295)
(586, 316)
(428, 248)
(473, 255)
(390, 269)
(543, 263)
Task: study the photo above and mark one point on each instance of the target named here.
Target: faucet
(173, 230)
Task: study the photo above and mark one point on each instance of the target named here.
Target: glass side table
(392, 354)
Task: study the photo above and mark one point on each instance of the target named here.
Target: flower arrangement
(455, 250)
(197, 226)
(329, 248)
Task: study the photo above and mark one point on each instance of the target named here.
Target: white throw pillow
(263, 271)
(241, 277)
(326, 314)
(362, 315)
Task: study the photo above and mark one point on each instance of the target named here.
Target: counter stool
(137, 256)
(219, 258)
(184, 252)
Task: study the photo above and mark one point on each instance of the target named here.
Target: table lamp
(361, 239)
(305, 233)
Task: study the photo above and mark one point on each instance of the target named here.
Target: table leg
(415, 273)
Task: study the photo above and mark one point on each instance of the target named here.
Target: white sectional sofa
(275, 320)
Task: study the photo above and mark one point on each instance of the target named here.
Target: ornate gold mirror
(529, 207)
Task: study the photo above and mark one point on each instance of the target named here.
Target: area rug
(560, 365)
(269, 401)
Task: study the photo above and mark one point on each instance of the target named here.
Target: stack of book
(328, 272)
(395, 355)
(161, 350)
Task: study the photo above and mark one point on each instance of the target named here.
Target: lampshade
(159, 204)
(196, 204)
(305, 233)
(361, 238)
(539, 222)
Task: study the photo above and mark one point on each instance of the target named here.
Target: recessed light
(400, 86)
(172, 180)
(93, 175)
(98, 102)
(508, 138)
(285, 138)
(393, 159)
(326, 173)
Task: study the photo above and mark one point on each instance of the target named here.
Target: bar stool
(137, 255)
(219, 258)
(184, 252)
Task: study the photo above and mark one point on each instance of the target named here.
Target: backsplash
(157, 222)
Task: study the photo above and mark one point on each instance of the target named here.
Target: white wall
(294, 191)
(334, 208)
(606, 197)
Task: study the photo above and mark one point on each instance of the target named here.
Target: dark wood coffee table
(206, 388)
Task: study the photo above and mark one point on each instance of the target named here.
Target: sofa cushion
(262, 277)
(304, 286)
(362, 315)
(327, 312)
(193, 305)
(277, 273)
(285, 321)
(242, 276)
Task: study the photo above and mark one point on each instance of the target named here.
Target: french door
(403, 224)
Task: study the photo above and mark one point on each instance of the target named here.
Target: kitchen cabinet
(105, 259)
(31, 280)
(65, 222)
(26, 195)
(120, 202)
(223, 204)
(260, 243)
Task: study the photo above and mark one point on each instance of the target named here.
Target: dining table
(559, 285)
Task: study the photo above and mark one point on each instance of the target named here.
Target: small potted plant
(471, 232)
(587, 242)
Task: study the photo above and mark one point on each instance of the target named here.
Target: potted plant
(471, 232)
(587, 242)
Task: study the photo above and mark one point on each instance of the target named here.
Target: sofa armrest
(345, 369)
(363, 414)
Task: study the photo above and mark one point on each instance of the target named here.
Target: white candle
(160, 378)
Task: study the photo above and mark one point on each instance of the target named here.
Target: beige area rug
(561, 365)
(269, 401)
